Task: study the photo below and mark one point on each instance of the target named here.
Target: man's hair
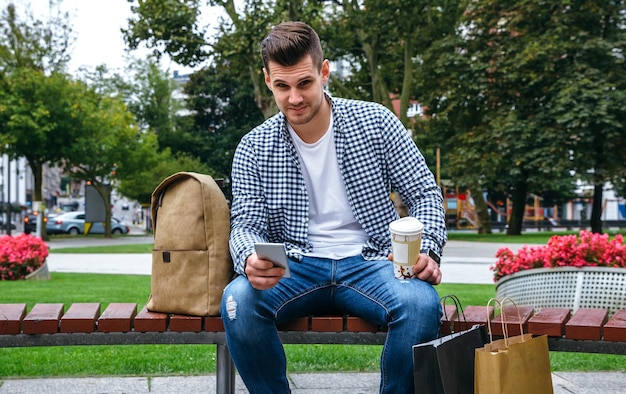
(289, 42)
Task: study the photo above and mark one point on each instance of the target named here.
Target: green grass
(530, 237)
(155, 360)
(131, 248)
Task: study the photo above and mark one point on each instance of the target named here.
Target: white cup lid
(406, 226)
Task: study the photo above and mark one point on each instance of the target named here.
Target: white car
(74, 223)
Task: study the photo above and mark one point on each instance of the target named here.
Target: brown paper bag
(519, 364)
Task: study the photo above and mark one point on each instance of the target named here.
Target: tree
(168, 26)
(108, 145)
(158, 24)
(32, 43)
(140, 183)
(383, 41)
(217, 121)
(499, 88)
(33, 55)
(36, 116)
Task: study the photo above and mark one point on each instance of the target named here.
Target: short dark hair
(289, 42)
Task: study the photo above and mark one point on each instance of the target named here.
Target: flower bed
(571, 271)
(21, 255)
(586, 249)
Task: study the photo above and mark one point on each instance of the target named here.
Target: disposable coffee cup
(406, 243)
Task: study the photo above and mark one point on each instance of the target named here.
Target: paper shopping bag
(446, 364)
(518, 364)
(521, 367)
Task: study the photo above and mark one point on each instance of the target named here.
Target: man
(317, 177)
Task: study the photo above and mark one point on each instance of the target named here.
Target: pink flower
(586, 249)
(21, 255)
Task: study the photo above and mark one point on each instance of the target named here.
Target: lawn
(532, 237)
(156, 360)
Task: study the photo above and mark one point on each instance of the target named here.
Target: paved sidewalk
(314, 383)
(463, 262)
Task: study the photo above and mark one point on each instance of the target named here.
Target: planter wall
(566, 287)
(41, 273)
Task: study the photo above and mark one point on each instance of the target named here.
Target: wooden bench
(586, 330)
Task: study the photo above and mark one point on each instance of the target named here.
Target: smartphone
(276, 253)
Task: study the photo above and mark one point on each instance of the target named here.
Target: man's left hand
(425, 269)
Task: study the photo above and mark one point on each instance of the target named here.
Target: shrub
(586, 249)
(21, 255)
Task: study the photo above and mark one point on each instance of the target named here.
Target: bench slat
(475, 315)
(43, 319)
(147, 321)
(11, 316)
(299, 324)
(80, 317)
(549, 321)
(512, 320)
(117, 317)
(356, 324)
(213, 324)
(615, 328)
(586, 323)
(184, 323)
(327, 324)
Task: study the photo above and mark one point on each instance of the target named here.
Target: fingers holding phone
(267, 266)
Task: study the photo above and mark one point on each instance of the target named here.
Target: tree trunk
(407, 81)
(519, 206)
(482, 213)
(37, 169)
(596, 209)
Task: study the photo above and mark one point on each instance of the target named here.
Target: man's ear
(325, 71)
(268, 81)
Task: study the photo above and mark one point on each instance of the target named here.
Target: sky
(96, 25)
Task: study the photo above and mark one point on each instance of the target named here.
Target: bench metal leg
(225, 371)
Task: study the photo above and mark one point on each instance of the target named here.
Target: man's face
(298, 89)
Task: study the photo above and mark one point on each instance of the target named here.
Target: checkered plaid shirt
(376, 155)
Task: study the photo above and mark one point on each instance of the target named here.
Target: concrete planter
(566, 287)
(40, 273)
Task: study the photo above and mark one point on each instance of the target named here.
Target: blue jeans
(409, 308)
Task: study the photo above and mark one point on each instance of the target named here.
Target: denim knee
(238, 292)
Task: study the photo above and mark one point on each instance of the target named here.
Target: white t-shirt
(333, 230)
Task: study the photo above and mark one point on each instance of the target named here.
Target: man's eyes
(300, 85)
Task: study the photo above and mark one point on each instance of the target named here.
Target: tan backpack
(191, 263)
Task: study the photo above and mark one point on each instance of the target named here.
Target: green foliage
(141, 182)
(217, 121)
(29, 42)
(39, 116)
(168, 26)
(528, 92)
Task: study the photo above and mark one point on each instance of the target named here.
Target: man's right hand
(262, 274)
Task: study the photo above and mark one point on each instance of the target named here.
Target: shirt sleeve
(248, 211)
(416, 184)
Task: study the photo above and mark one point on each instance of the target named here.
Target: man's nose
(294, 96)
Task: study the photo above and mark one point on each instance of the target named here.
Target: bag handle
(459, 307)
(504, 326)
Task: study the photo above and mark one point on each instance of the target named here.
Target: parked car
(30, 222)
(74, 223)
